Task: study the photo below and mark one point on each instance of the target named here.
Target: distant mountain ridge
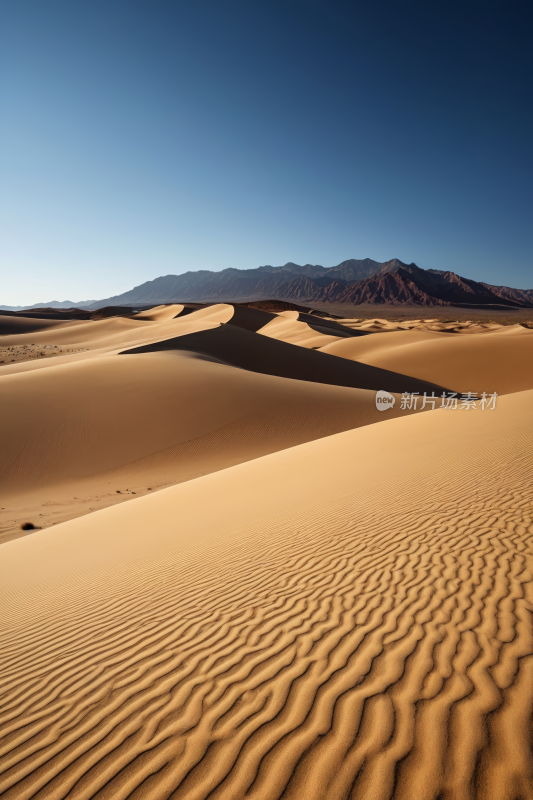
(353, 281)
(506, 292)
(51, 304)
(245, 285)
(407, 285)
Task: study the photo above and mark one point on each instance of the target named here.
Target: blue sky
(143, 138)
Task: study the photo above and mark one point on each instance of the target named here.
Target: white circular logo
(384, 400)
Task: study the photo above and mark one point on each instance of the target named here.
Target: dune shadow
(244, 349)
(250, 319)
(329, 327)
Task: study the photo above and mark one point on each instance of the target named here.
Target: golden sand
(250, 583)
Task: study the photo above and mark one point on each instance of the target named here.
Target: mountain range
(350, 282)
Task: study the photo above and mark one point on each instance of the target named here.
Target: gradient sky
(149, 137)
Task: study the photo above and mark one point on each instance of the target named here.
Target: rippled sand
(257, 584)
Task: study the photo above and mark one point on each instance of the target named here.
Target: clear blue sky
(146, 137)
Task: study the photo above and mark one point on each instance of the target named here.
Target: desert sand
(244, 580)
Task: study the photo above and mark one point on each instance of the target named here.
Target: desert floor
(224, 573)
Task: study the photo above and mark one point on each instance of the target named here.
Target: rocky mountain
(520, 296)
(51, 304)
(245, 285)
(387, 283)
(403, 284)
(353, 281)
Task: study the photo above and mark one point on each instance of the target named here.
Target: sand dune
(306, 330)
(258, 353)
(325, 602)
(113, 334)
(87, 430)
(81, 432)
(368, 634)
(295, 332)
(160, 313)
(13, 326)
(357, 348)
(495, 362)
(462, 326)
(83, 332)
(332, 336)
(251, 319)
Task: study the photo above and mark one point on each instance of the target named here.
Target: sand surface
(249, 582)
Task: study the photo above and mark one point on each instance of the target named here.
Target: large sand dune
(495, 362)
(330, 602)
(107, 424)
(357, 348)
(306, 330)
(258, 353)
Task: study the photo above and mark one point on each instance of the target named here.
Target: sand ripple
(359, 646)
